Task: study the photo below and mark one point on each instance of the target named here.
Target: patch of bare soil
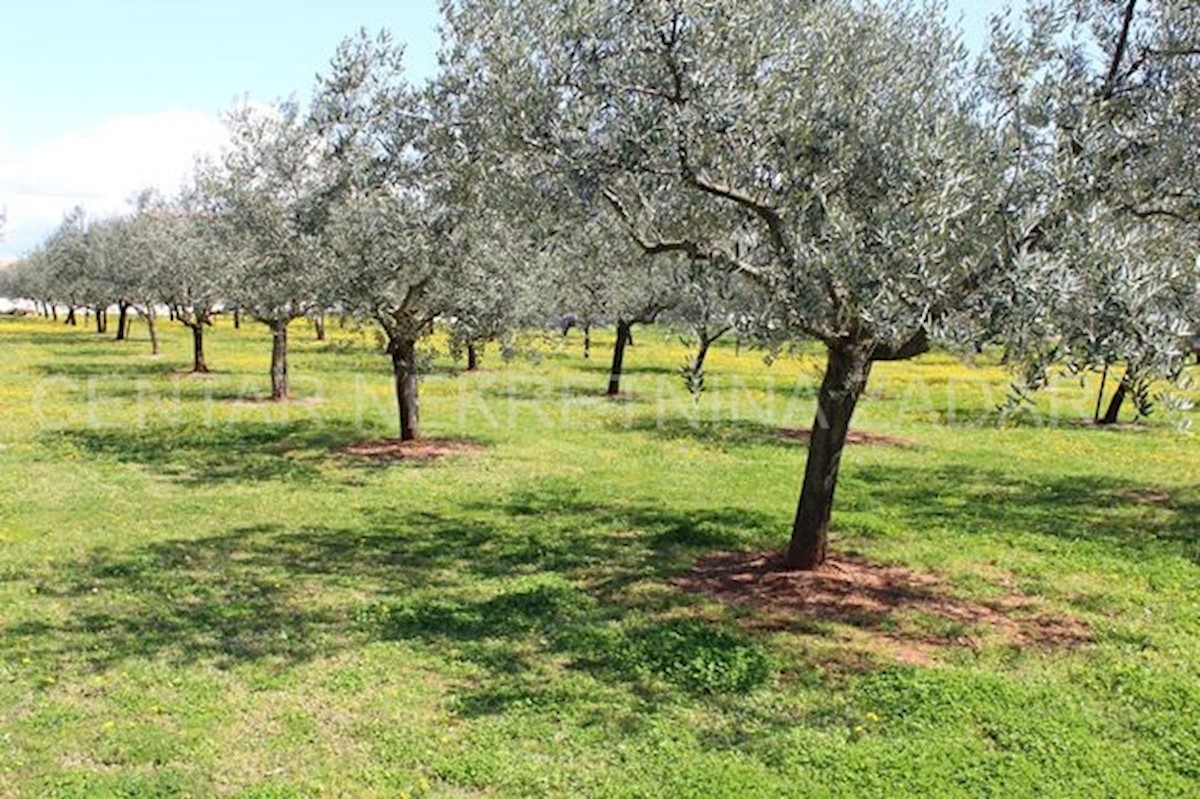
(853, 437)
(912, 614)
(422, 450)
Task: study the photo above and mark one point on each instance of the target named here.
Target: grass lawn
(199, 595)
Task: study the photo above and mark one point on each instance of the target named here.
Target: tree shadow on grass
(601, 367)
(528, 589)
(67, 339)
(539, 392)
(99, 369)
(482, 585)
(235, 451)
(1132, 520)
(720, 434)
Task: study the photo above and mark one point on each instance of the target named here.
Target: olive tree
(1102, 102)
(144, 244)
(712, 303)
(64, 258)
(834, 153)
(493, 293)
(390, 235)
(27, 279)
(198, 273)
(267, 197)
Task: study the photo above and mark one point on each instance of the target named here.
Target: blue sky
(99, 98)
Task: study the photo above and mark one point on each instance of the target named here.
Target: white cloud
(100, 170)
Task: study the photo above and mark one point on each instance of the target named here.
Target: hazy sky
(99, 98)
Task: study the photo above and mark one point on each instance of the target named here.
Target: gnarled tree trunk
(122, 320)
(279, 365)
(404, 370)
(700, 356)
(152, 326)
(1118, 399)
(199, 365)
(319, 324)
(618, 359)
(472, 358)
(846, 371)
(1100, 394)
(71, 317)
(705, 340)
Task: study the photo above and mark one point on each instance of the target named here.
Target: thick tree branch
(768, 214)
(917, 344)
(686, 246)
(1114, 68)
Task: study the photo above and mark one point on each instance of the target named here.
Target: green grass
(199, 597)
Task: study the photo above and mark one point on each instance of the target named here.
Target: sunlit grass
(198, 596)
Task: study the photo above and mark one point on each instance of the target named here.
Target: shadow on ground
(499, 585)
(517, 587)
(99, 369)
(1122, 518)
(720, 434)
(234, 451)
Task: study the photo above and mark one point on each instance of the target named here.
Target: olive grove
(846, 159)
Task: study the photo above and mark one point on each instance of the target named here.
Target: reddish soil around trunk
(911, 615)
(393, 449)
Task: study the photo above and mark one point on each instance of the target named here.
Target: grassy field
(200, 596)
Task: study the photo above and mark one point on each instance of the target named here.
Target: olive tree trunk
(404, 370)
(704, 341)
(122, 320)
(1100, 394)
(1118, 399)
(618, 358)
(472, 358)
(279, 365)
(846, 371)
(700, 356)
(199, 365)
(152, 326)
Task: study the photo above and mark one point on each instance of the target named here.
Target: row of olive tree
(340, 204)
(838, 171)
(375, 200)
(157, 256)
